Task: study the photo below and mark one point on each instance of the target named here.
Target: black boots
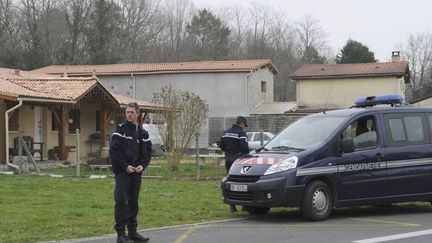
(123, 239)
(137, 238)
(132, 236)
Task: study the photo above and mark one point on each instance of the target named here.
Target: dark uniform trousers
(126, 194)
(229, 160)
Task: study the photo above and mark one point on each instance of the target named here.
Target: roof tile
(325, 71)
(35, 85)
(149, 68)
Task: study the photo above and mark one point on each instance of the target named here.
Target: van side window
(397, 130)
(363, 133)
(406, 129)
(414, 129)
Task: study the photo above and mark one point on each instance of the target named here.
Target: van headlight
(282, 165)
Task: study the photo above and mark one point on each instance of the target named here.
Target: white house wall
(425, 102)
(224, 92)
(255, 96)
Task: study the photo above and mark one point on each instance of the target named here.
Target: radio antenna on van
(328, 95)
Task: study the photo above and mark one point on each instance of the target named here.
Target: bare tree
(312, 40)
(418, 52)
(257, 38)
(5, 17)
(283, 52)
(76, 14)
(10, 48)
(143, 23)
(182, 116)
(177, 15)
(237, 20)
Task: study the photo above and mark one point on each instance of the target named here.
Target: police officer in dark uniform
(130, 153)
(234, 143)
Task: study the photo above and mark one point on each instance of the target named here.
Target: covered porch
(47, 111)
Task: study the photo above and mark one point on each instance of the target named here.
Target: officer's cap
(241, 119)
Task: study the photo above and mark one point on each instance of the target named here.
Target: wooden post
(197, 165)
(103, 119)
(62, 133)
(77, 152)
(2, 130)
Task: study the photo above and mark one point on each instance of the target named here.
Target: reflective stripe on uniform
(230, 136)
(123, 136)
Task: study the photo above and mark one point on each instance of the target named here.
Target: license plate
(239, 188)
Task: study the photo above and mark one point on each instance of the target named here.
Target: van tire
(317, 201)
(256, 210)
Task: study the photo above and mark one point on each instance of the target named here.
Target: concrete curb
(110, 236)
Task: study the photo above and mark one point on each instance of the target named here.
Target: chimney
(396, 56)
(17, 72)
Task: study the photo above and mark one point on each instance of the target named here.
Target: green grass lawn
(39, 208)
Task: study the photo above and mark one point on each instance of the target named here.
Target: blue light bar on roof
(391, 99)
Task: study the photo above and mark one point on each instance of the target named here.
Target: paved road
(360, 225)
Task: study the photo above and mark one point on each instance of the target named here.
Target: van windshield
(305, 133)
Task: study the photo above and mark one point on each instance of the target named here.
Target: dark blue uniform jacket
(130, 145)
(234, 142)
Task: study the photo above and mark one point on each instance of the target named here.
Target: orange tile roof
(124, 100)
(41, 86)
(31, 85)
(153, 68)
(326, 71)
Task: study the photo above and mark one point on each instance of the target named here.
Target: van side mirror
(347, 145)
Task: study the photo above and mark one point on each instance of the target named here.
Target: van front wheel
(317, 201)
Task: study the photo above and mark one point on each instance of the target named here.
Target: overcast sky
(378, 24)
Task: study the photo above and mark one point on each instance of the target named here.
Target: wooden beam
(62, 134)
(2, 130)
(8, 97)
(108, 115)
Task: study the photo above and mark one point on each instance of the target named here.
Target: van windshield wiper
(285, 148)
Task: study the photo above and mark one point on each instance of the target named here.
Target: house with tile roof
(338, 85)
(231, 88)
(49, 109)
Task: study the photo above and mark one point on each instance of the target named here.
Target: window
(263, 86)
(406, 129)
(414, 129)
(54, 123)
(257, 137)
(362, 132)
(397, 130)
(74, 120)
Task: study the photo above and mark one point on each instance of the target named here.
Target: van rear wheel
(317, 201)
(256, 210)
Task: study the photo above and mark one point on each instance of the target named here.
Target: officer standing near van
(130, 153)
(234, 143)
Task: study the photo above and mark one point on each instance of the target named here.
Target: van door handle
(379, 156)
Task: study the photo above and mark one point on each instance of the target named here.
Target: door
(409, 154)
(362, 174)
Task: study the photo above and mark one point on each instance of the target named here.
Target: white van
(155, 138)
